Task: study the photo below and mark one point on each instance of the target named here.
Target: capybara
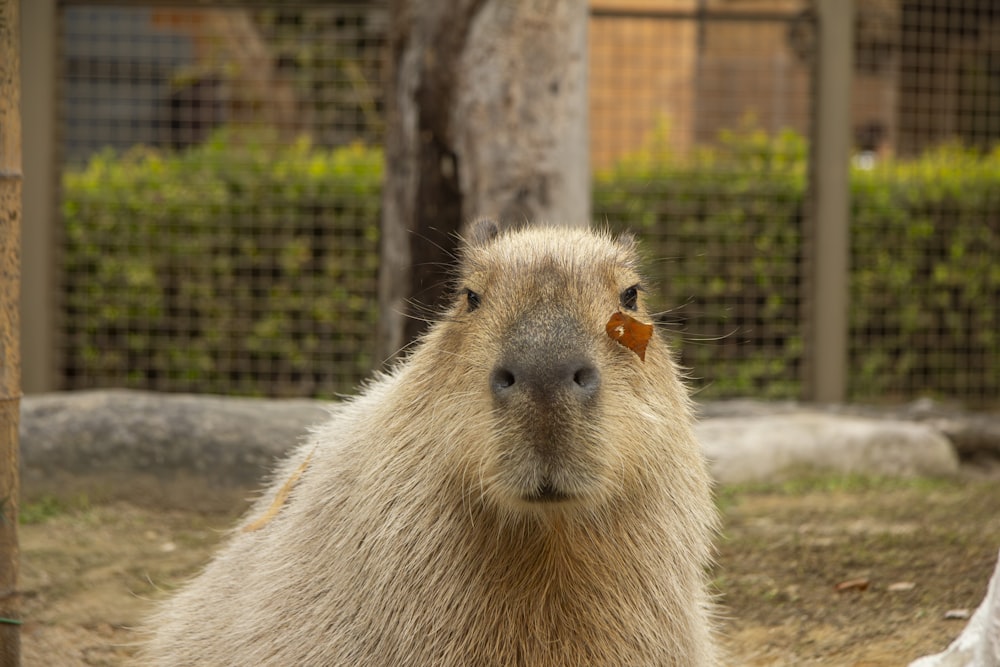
(523, 489)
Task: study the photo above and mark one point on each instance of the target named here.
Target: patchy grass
(49, 507)
(809, 481)
(915, 548)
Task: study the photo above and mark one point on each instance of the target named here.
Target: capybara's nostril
(587, 379)
(501, 379)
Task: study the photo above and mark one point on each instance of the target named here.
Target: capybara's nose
(576, 378)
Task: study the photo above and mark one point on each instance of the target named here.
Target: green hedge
(237, 266)
(242, 268)
(925, 282)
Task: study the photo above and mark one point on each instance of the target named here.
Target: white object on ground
(979, 643)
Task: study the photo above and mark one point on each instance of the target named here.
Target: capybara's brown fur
(522, 490)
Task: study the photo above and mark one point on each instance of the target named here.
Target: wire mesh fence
(703, 146)
(220, 196)
(221, 176)
(708, 164)
(926, 209)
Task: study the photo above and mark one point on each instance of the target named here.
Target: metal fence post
(826, 349)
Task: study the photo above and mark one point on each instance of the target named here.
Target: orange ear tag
(630, 332)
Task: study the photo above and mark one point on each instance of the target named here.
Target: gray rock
(769, 447)
(225, 441)
(975, 436)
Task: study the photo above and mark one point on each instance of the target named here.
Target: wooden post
(487, 116)
(827, 346)
(39, 362)
(10, 358)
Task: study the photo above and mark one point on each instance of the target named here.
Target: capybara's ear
(627, 241)
(481, 231)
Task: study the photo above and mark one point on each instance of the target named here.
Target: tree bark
(10, 358)
(487, 116)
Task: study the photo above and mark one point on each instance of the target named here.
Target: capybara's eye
(630, 297)
(472, 299)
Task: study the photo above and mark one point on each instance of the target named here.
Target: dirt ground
(904, 553)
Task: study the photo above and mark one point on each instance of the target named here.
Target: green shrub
(238, 266)
(925, 281)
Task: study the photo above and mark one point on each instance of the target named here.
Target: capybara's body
(522, 490)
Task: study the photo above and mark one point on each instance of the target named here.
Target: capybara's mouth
(547, 492)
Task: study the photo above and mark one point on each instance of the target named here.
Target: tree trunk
(487, 116)
(10, 378)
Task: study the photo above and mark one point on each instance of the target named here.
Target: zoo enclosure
(235, 253)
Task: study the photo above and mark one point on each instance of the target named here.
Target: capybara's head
(547, 337)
